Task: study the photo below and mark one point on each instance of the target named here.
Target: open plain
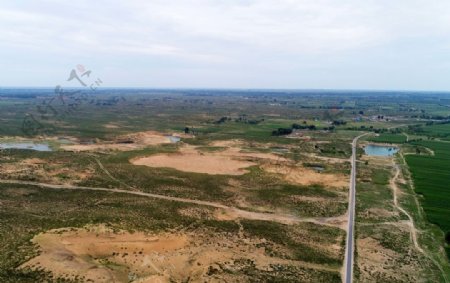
(158, 187)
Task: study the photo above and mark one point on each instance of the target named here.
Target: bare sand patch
(231, 161)
(227, 143)
(305, 176)
(376, 261)
(44, 171)
(237, 152)
(327, 159)
(197, 163)
(33, 161)
(124, 142)
(99, 254)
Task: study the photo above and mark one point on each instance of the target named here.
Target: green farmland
(389, 138)
(440, 131)
(431, 179)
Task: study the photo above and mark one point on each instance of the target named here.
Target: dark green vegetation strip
(431, 176)
(389, 138)
(435, 130)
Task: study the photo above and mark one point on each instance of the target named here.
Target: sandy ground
(231, 161)
(327, 159)
(125, 142)
(56, 173)
(305, 176)
(196, 163)
(375, 260)
(98, 254)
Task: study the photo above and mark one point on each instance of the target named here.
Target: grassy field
(431, 179)
(384, 250)
(441, 131)
(437, 130)
(289, 176)
(65, 208)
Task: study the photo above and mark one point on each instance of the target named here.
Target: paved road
(349, 244)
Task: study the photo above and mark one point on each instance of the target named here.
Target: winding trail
(100, 164)
(410, 222)
(235, 212)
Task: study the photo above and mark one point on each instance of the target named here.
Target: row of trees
(241, 119)
(295, 126)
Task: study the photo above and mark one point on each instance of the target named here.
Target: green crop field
(431, 179)
(439, 130)
(389, 138)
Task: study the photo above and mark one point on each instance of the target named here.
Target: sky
(276, 44)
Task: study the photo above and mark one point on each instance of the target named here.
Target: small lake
(25, 145)
(174, 139)
(380, 150)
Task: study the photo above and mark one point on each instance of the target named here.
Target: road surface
(349, 243)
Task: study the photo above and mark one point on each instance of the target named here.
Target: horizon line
(237, 89)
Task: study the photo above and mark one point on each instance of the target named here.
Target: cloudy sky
(321, 44)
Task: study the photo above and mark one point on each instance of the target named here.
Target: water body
(380, 150)
(174, 139)
(25, 145)
(280, 149)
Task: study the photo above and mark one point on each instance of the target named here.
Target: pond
(280, 149)
(25, 145)
(174, 139)
(380, 150)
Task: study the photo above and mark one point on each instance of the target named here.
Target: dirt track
(235, 212)
(410, 221)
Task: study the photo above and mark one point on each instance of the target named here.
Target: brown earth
(377, 263)
(231, 161)
(305, 176)
(125, 142)
(39, 168)
(98, 254)
(197, 163)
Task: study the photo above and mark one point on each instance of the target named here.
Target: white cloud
(176, 27)
(221, 33)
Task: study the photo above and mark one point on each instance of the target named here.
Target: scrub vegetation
(241, 186)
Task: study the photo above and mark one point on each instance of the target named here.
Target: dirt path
(410, 222)
(109, 174)
(406, 135)
(232, 211)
